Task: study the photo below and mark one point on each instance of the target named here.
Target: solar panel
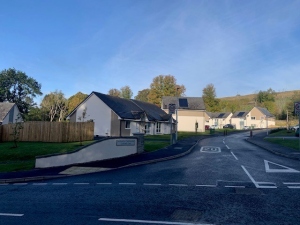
(221, 115)
(183, 103)
(240, 114)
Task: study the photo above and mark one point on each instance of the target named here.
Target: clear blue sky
(95, 45)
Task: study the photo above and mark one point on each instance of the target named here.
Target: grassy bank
(290, 143)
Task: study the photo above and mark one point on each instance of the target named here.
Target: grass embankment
(277, 137)
(23, 157)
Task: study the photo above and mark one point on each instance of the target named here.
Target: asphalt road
(222, 181)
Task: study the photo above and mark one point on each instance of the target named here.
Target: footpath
(179, 149)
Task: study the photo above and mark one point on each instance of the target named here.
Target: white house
(114, 116)
(190, 112)
(9, 113)
(217, 119)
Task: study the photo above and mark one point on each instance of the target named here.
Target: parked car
(297, 132)
(246, 127)
(295, 127)
(207, 127)
(228, 126)
(213, 126)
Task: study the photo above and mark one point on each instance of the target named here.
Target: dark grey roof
(218, 114)
(239, 114)
(130, 109)
(5, 107)
(265, 112)
(153, 112)
(193, 103)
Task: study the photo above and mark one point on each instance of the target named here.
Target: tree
(114, 92)
(75, 100)
(266, 96)
(55, 104)
(18, 88)
(143, 95)
(34, 114)
(164, 85)
(126, 92)
(209, 98)
(16, 129)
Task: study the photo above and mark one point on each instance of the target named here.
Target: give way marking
(10, 214)
(279, 168)
(210, 149)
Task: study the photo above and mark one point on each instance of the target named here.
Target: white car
(214, 126)
(295, 127)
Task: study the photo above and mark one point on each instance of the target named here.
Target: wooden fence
(50, 131)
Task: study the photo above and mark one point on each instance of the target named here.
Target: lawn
(290, 143)
(23, 157)
(282, 132)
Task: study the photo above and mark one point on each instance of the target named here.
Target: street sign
(172, 108)
(297, 108)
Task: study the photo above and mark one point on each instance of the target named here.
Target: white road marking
(20, 183)
(152, 184)
(227, 147)
(81, 183)
(10, 214)
(149, 221)
(104, 183)
(235, 186)
(4, 184)
(294, 187)
(210, 149)
(257, 184)
(206, 185)
(39, 184)
(178, 148)
(180, 185)
(234, 156)
(284, 170)
(292, 183)
(59, 183)
(127, 183)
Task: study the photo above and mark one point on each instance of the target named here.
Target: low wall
(102, 150)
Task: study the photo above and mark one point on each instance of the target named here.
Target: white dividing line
(227, 147)
(152, 184)
(179, 185)
(206, 185)
(10, 214)
(294, 187)
(127, 183)
(234, 155)
(39, 184)
(20, 183)
(81, 183)
(257, 183)
(235, 186)
(4, 184)
(59, 183)
(148, 221)
(104, 183)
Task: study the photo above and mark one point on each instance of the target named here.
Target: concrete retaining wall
(102, 150)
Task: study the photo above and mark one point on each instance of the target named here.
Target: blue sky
(94, 45)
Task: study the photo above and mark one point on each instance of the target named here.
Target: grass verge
(23, 157)
(290, 143)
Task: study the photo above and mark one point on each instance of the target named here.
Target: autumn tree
(126, 92)
(114, 92)
(55, 104)
(164, 85)
(209, 98)
(143, 95)
(18, 88)
(75, 100)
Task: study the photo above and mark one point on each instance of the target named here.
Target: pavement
(179, 149)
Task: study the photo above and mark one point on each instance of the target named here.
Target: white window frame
(158, 128)
(127, 124)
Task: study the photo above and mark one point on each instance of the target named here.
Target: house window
(127, 124)
(147, 128)
(158, 127)
(252, 117)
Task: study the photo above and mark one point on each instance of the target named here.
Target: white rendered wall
(106, 149)
(99, 112)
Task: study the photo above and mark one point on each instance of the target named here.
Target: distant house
(217, 119)
(190, 112)
(239, 120)
(9, 113)
(257, 117)
(114, 116)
